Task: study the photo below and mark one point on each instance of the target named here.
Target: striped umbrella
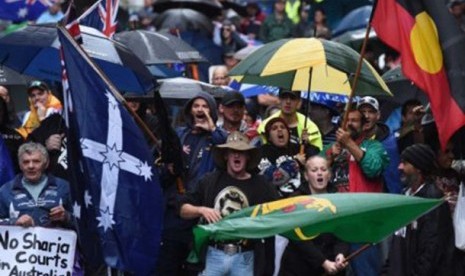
(309, 64)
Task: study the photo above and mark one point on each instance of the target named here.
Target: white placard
(36, 251)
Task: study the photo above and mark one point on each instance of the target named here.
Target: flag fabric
(102, 16)
(431, 46)
(6, 165)
(23, 10)
(116, 191)
(358, 217)
(72, 23)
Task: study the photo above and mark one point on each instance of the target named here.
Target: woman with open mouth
(323, 255)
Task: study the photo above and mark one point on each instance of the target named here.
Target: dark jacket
(196, 165)
(201, 161)
(427, 245)
(306, 257)
(16, 201)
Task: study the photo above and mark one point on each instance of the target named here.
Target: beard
(408, 179)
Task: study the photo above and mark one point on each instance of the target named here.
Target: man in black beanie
(426, 245)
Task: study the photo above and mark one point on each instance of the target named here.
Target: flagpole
(110, 85)
(307, 107)
(357, 73)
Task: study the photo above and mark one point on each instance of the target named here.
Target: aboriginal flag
(431, 45)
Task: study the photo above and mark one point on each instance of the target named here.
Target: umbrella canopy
(162, 71)
(210, 8)
(370, 217)
(11, 77)
(355, 19)
(355, 38)
(33, 50)
(286, 63)
(184, 88)
(184, 20)
(245, 52)
(158, 48)
(403, 90)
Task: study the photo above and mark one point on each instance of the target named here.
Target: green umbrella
(358, 217)
(295, 63)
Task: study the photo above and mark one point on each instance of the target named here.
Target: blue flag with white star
(23, 10)
(118, 201)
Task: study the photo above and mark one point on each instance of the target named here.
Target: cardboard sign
(36, 251)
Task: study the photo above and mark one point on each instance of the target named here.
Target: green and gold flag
(358, 217)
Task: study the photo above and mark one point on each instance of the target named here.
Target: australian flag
(23, 10)
(118, 201)
(102, 16)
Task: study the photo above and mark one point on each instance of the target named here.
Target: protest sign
(36, 251)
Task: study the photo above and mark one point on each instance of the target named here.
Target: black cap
(233, 97)
(37, 84)
(284, 92)
(421, 156)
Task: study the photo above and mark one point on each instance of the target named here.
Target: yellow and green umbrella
(293, 63)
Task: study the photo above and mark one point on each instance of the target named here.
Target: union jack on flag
(102, 16)
(23, 10)
(72, 23)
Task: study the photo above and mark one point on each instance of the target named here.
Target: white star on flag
(87, 199)
(77, 210)
(113, 159)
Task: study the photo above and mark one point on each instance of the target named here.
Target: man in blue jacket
(34, 198)
(197, 138)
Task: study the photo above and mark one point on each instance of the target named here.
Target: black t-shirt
(220, 191)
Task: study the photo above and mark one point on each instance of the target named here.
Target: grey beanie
(421, 156)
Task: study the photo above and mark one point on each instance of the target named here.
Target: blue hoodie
(199, 163)
(201, 158)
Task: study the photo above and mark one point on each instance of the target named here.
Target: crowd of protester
(238, 152)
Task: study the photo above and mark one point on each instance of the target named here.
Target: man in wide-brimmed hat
(232, 187)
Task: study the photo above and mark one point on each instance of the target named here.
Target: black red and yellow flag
(432, 48)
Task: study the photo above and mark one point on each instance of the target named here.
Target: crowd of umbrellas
(136, 61)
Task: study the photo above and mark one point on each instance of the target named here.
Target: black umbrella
(402, 89)
(158, 48)
(184, 88)
(33, 50)
(11, 77)
(210, 8)
(240, 7)
(184, 20)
